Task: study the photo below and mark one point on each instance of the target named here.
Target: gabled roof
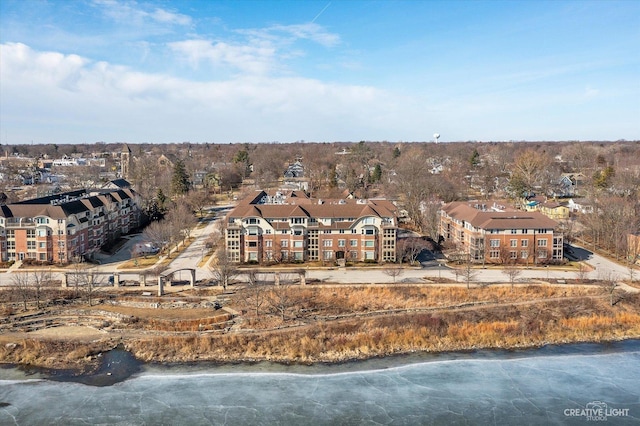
(498, 220)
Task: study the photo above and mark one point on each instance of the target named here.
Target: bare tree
(223, 268)
(256, 291)
(21, 287)
(410, 248)
(468, 272)
(431, 218)
(581, 273)
(158, 233)
(393, 271)
(181, 221)
(41, 279)
(609, 284)
(281, 300)
(512, 272)
(90, 281)
(198, 200)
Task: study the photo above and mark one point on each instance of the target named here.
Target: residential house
(554, 210)
(569, 184)
(277, 227)
(501, 236)
(580, 206)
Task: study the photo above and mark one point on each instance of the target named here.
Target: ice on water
(502, 390)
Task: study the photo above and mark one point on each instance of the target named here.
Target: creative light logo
(596, 411)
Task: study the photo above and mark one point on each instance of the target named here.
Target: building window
(298, 244)
(326, 231)
(252, 221)
(342, 243)
(369, 255)
(327, 243)
(353, 255)
(31, 233)
(524, 254)
(284, 231)
(514, 243)
(297, 220)
(284, 243)
(369, 243)
(494, 254)
(542, 243)
(253, 244)
(268, 243)
(354, 231)
(513, 254)
(327, 255)
(267, 231)
(354, 243)
(542, 254)
(368, 231)
(514, 231)
(495, 243)
(524, 243)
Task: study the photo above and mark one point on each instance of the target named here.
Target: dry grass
(339, 323)
(517, 326)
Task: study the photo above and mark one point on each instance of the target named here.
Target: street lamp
(440, 262)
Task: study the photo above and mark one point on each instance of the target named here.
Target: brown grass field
(329, 324)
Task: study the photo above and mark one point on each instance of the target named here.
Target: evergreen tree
(377, 173)
(475, 158)
(180, 179)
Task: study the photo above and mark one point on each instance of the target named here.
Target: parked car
(143, 249)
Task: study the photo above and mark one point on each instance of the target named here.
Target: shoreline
(118, 364)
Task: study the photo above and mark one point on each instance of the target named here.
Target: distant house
(568, 184)
(294, 177)
(167, 160)
(117, 184)
(580, 206)
(295, 170)
(554, 210)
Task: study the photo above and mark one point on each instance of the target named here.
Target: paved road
(192, 256)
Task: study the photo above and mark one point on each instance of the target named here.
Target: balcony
(21, 223)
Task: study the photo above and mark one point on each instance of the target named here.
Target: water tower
(436, 136)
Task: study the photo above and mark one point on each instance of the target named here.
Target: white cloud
(287, 34)
(52, 97)
(256, 59)
(133, 13)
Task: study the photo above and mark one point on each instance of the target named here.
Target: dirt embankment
(314, 324)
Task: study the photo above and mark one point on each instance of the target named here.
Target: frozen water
(534, 387)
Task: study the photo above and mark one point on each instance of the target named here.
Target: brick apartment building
(501, 236)
(67, 226)
(275, 227)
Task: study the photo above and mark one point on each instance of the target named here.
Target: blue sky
(262, 71)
